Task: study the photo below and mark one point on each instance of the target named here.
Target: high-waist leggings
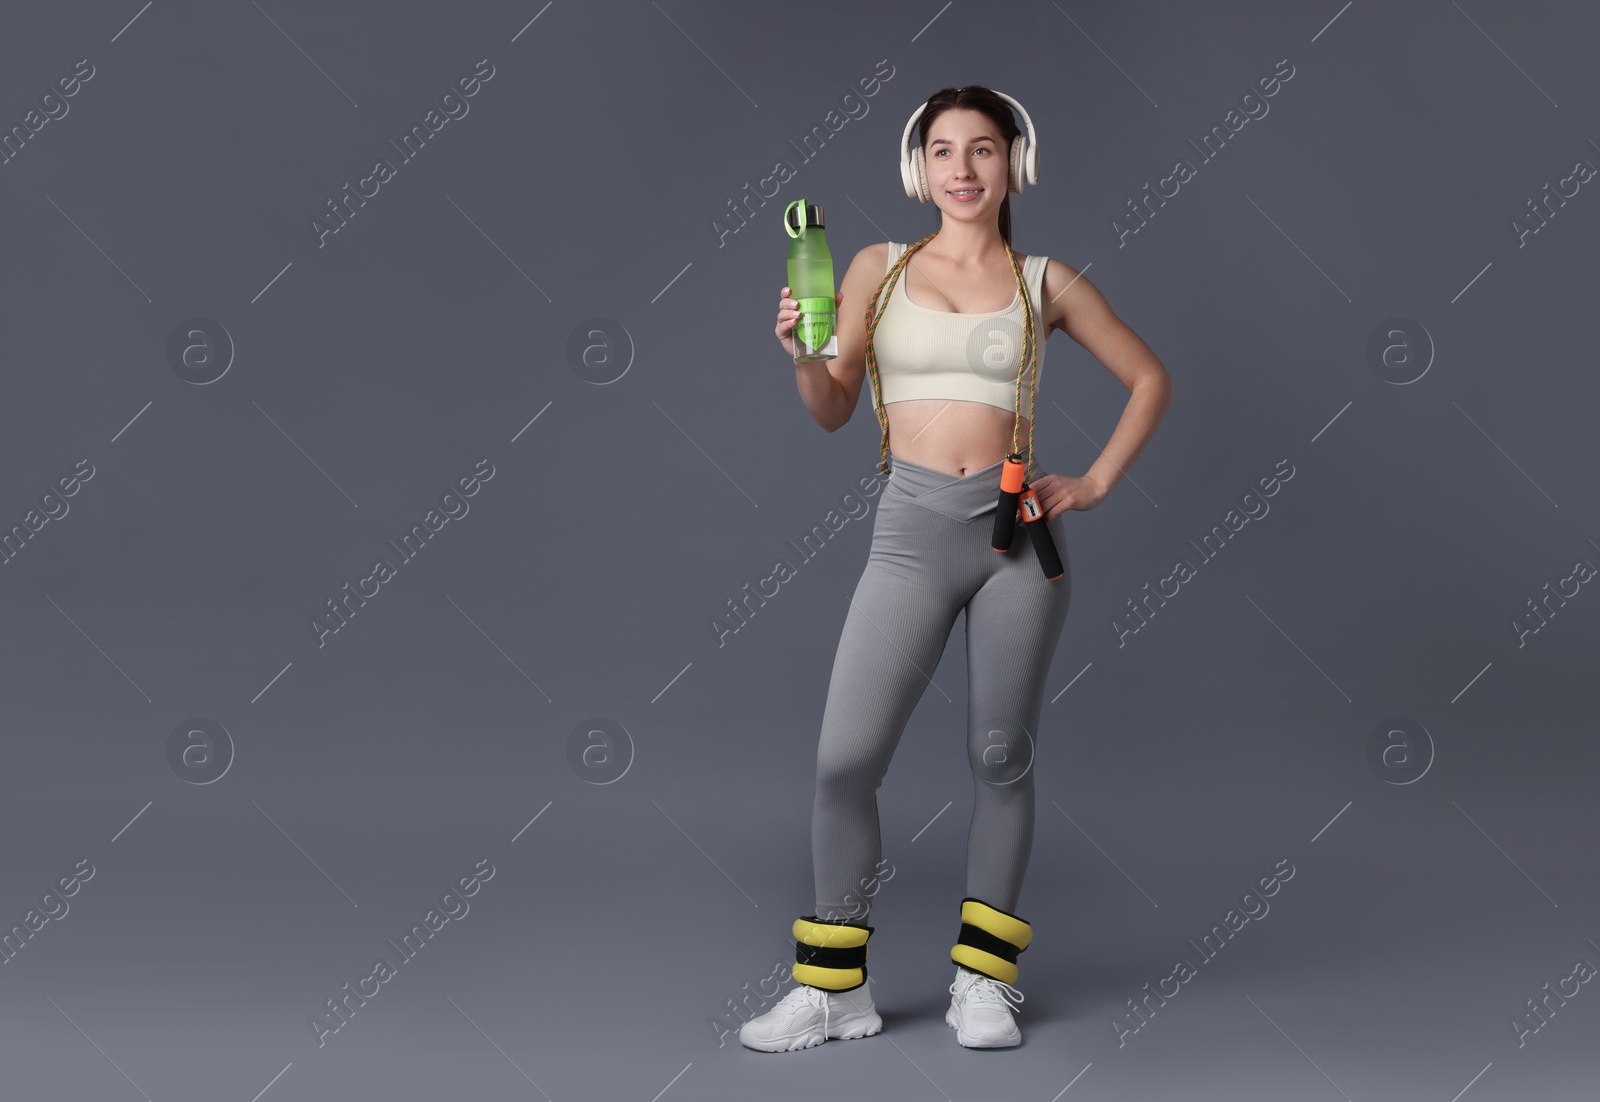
(932, 555)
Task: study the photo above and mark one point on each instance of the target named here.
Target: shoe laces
(985, 991)
(805, 993)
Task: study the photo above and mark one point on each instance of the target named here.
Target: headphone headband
(1029, 159)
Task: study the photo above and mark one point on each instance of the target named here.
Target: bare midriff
(950, 436)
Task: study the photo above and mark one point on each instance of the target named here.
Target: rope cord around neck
(1029, 356)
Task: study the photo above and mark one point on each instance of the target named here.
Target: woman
(948, 364)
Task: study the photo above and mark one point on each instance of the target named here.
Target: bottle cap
(810, 215)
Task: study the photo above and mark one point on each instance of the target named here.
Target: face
(965, 150)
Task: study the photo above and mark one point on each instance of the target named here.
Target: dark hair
(975, 97)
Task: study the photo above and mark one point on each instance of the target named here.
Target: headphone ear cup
(918, 167)
(1019, 156)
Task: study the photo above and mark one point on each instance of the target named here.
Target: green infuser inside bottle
(811, 283)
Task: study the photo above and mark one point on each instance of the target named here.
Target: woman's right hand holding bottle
(789, 317)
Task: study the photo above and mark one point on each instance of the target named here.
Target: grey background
(437, 728)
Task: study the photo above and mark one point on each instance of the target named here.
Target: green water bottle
(811, 283)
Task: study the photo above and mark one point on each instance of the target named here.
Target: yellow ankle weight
(831, 955)
(990, 940)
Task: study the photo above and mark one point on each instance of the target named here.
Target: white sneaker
(808, 1016)
(979, 1012)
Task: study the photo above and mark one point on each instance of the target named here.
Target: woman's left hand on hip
(1058, 492)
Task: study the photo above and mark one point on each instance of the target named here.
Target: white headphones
(1024, 156)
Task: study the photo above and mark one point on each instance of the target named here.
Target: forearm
(823, 395)
(1147, 404)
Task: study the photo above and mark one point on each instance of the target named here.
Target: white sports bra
(926, 353)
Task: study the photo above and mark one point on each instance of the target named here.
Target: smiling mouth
(965, 191)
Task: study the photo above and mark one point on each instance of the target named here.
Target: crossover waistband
(965, 498)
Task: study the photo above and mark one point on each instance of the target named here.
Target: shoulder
(876, 255)
(1063, 286)
(1026, 260)
(866, 271)
(869, 263)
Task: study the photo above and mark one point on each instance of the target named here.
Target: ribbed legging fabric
(931, 557)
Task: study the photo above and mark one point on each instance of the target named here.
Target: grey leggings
(932, 555)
